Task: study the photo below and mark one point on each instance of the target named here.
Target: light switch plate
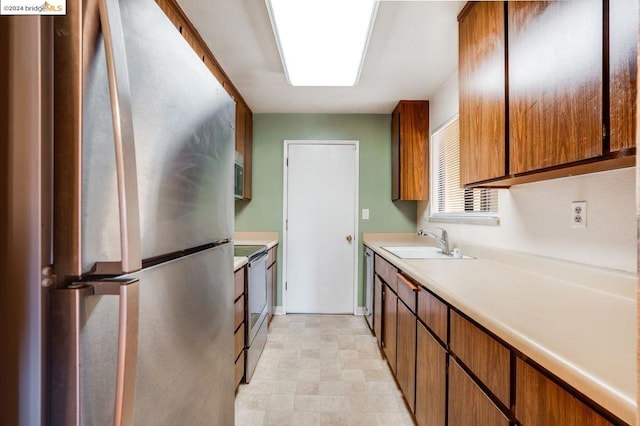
(365, 214)
(579, 214)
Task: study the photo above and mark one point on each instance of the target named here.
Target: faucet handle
(444, 234)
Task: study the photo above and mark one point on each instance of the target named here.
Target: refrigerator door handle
(128, 290)
(122, 118)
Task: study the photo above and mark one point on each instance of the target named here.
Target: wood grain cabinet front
(410, 151)
(386, 271)
(541, 402)
(431, 379)
(555, 82)
(487, 358)
(481, 81)
(389, 325)
(468, 404)
(623, 69)
(406, 338)
(377, 309)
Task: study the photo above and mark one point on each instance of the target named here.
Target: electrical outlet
(579, 214)
(365, 214)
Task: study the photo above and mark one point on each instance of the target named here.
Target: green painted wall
(264, 211)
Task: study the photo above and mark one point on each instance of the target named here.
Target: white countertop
(269, 239)
(239, 262)
(577, 321)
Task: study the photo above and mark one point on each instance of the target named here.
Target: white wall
(535, 217)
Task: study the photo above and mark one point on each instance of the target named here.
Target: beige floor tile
(302, 418)
(278, 418)
(331, 388)
(305, 403)
(249, 418)
(281, 402)
(321, 370)
(305, 387)
(334, 419)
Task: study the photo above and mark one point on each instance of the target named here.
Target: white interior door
(321, 213)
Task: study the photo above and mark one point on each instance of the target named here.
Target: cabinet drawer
(407, 291)
(238, 339)
(239, 369)
(487, 358)
(387, 272)
(539, 401)
(468, 405)
(238, 283)
(272, 255)
(434, 314)
(238, 312)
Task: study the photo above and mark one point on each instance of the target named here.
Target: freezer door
(183, 122)
(185, 354)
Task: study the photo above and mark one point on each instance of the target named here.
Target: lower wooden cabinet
(431, 379)
(487, 358)
(377, 309)
(406, 353)
(539, 401)
(468, 405)
(238, 324)
(389, 327)
(272, 281)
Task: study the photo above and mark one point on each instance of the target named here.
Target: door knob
(349, 238)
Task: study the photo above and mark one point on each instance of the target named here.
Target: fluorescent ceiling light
(322, 42)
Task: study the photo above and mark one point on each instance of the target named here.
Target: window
(450, 202)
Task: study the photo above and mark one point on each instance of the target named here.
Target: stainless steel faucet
(443, 240)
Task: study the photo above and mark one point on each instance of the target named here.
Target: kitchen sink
(422, 253)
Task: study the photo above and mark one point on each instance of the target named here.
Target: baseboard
(360, 310)
(278, 311)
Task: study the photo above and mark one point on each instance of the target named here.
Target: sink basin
(421, 253)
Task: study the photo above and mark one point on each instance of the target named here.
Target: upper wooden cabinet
(410, 151)
(482, 92)
(555, 82)
(569, 89)
(244, 143)
(623, 62)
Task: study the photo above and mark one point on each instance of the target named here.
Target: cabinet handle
(408, 283)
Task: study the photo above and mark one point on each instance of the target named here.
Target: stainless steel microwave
(238, 184)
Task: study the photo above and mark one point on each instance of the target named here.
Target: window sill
(467, 219)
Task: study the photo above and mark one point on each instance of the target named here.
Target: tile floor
(321, 370)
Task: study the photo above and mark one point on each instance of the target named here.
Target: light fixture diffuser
(322, 42)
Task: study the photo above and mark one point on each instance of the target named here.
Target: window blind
(448, 198)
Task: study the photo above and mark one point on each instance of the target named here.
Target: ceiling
(412, 51)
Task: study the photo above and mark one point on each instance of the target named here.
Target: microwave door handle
(122, 119)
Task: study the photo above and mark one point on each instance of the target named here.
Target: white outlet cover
(578, 214)
(365, 214)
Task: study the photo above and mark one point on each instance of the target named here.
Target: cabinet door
(431, 380)
(481, 79)
(270, 292)
(410, 151)
(539, 401)
(395, 154)
(406, 358)
(468, 405)
(241, 118)
(389, 326)
(623, 62)
(555, 82)
(377, 309)
(248, 155)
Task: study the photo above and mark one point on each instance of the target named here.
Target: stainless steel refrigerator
(135, 305)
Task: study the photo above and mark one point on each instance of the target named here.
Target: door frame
(285, 232)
